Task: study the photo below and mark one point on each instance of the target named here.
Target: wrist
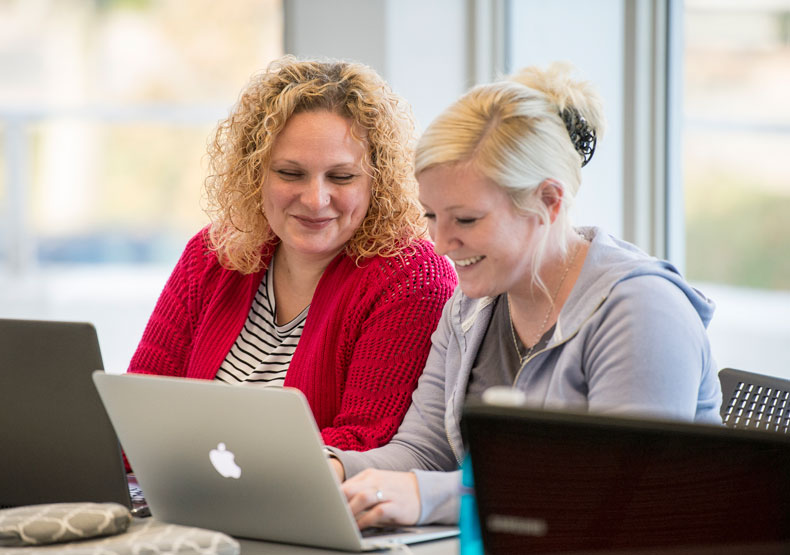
(335, 463)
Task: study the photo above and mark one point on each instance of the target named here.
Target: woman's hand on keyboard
(383, 498)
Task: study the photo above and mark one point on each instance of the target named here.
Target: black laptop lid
(560, 483)
(57, 443)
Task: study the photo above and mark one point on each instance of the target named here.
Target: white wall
(346, 29)
(420, 47)
(427, 53)
(590, 36)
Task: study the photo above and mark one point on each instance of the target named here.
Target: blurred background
(736, 176)
(106, 107)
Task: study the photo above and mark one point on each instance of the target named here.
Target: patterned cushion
(144, 536)
(61, 522)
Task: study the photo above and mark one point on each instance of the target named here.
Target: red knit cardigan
(364, 344)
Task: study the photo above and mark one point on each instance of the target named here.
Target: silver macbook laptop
(57, 443)
(246, 461)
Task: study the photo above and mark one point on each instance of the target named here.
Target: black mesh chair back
(754, 401)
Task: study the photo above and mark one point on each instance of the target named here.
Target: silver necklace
(545, 319)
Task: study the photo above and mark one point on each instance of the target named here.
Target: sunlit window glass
(736, 174)
(105, 110)
(110, 104)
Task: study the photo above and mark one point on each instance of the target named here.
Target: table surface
(436, 547)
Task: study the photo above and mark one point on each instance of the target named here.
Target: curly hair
(240, 154)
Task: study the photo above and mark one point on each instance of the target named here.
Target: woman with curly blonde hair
(314, 272)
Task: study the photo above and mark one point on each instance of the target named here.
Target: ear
(551, 192)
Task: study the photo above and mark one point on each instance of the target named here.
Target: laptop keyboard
(759, 407)
(376, 531)
(139, 504)
(137, 495)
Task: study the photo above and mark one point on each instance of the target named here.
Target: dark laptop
(550, 482)
(57, 443)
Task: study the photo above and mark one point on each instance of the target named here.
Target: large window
(105, 110)
(736, 145)
(106, 106)
(720, 72)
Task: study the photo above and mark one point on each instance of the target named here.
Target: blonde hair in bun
(512, 131)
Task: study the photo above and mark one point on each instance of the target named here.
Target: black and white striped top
(263, 351)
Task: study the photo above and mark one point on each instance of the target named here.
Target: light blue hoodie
(630, 339)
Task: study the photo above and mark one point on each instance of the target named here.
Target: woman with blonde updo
(314, 272)
(567, 317)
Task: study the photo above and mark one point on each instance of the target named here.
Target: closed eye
(465, 221)
(429, 216)
(342, 178)
(289, 175)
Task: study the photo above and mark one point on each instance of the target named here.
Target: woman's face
(316, 193)
(473, 222)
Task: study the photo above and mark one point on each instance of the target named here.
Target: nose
(316, 194)
(443, 240)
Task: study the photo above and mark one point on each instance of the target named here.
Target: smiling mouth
(313, 221)
(468, 261)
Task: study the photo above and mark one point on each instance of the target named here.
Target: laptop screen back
(553, 483)
(247, 461)
(57, 443)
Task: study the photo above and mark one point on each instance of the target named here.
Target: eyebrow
(448, 208)
(456, 207)
(297, 163)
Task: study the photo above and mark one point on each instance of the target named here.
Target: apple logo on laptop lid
(224, 462)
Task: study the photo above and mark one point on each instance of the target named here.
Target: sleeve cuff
(439, 496)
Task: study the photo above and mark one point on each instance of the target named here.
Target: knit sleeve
(389, 340)
(167, 338)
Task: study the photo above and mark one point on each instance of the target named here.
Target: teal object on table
(468, 522)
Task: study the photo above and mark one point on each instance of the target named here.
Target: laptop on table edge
(57, 443)
(551, 482)
(246, 461)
